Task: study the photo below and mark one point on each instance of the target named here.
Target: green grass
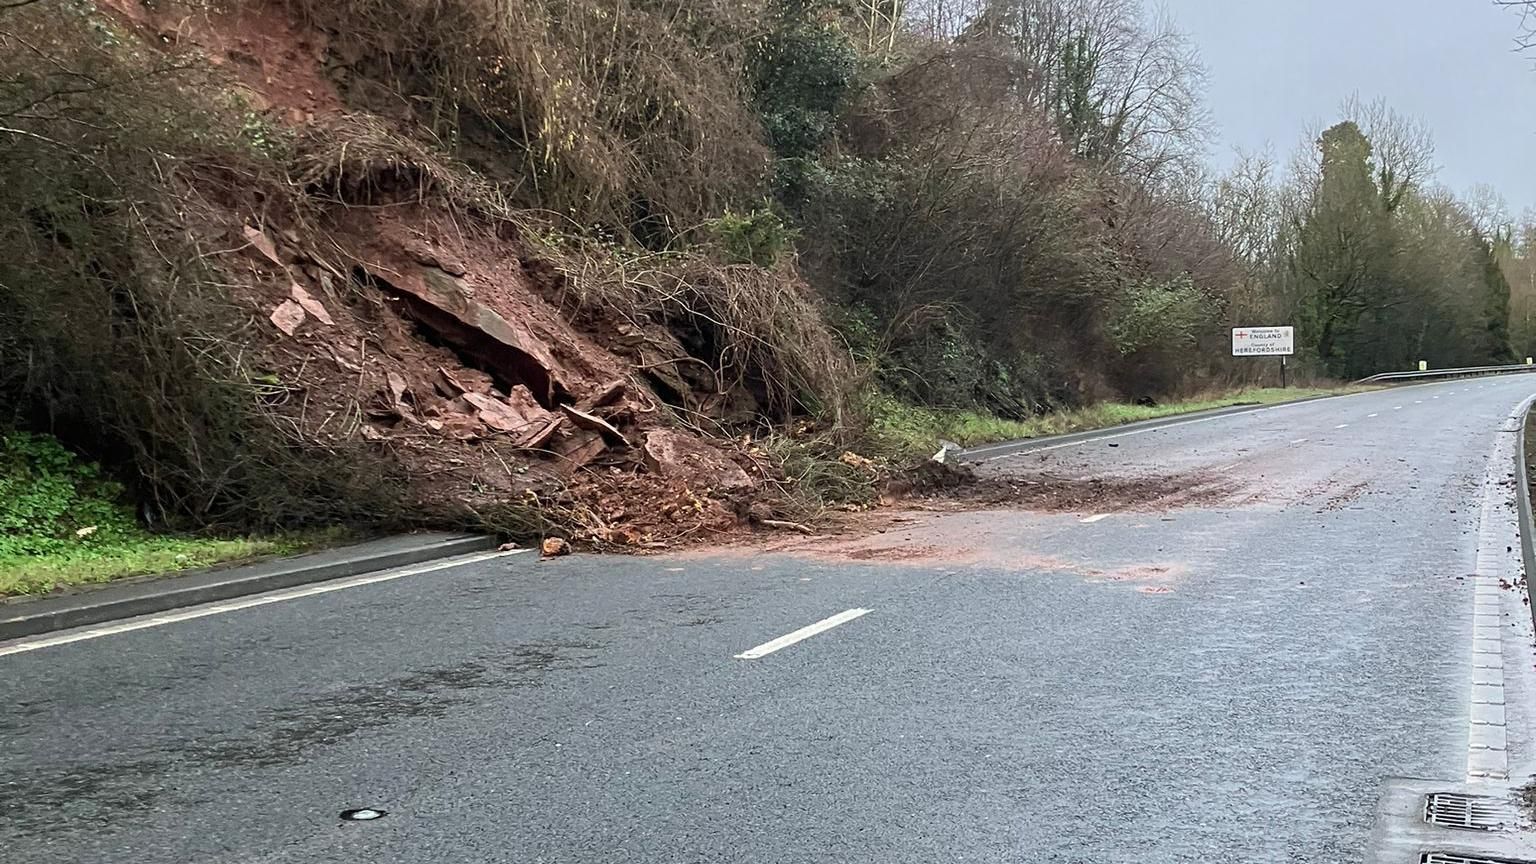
(143, 555)
(64, 522)
(907, 429)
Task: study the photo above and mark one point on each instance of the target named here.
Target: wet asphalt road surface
(1229, 677)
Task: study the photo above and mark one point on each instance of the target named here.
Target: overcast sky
(1277, 65)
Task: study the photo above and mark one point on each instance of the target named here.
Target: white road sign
(1263, 341)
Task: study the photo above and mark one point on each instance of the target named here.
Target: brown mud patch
(949, 488)
(969, 539)
(1341, 496)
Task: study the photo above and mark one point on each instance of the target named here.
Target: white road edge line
(1089, 520)
(34, 643)
(803, 633)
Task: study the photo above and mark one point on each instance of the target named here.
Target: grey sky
(1278, 65)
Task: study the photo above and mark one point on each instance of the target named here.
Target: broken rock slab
(677, 455)
(577, 449)
(445, 304)
(314, 307)
(288, 317)
(593, 423)
(263, 244)
(519, 415)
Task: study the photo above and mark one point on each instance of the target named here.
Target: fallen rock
(782, 525)
(462, 427)
(449, 384)
(519, 415)
(593, 423)
(554, 547)
(397, 389)
(576, 450)
(288, 317)
(263, 244)
(497, 414)
(605, 395)
(854, 460)
(677, 455)
(445, 304)
(310, 304)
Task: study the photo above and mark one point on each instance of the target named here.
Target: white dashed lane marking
(1089, 520)
(803, 633)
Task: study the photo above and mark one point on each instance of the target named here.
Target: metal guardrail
(1434, 374)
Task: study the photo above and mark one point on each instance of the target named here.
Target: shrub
(759, 237)
(1168, 314)
(51, 500)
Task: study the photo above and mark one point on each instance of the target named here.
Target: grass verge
(63, 522)
(908, 429)
(146, 555)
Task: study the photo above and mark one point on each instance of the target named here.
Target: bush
(1169, 314)
(759, 237)
(802, 70)
(51, 501)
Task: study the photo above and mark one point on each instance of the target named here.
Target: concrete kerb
(1523, 496)
(29, 617)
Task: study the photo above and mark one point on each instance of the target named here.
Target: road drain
(1456, 858)
(1475, 812)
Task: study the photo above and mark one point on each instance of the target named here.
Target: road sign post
(1265, 342)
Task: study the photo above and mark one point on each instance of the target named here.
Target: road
(1227, 677)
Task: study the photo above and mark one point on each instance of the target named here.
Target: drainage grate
(1458, 858)
(1477, 812)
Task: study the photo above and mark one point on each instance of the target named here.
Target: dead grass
(626, 114)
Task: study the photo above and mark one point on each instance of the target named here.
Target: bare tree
(1527, 9)
(1488, 211)
(1403, 147)
(1125, 88)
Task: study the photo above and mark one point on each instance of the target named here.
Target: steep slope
(389, 313)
